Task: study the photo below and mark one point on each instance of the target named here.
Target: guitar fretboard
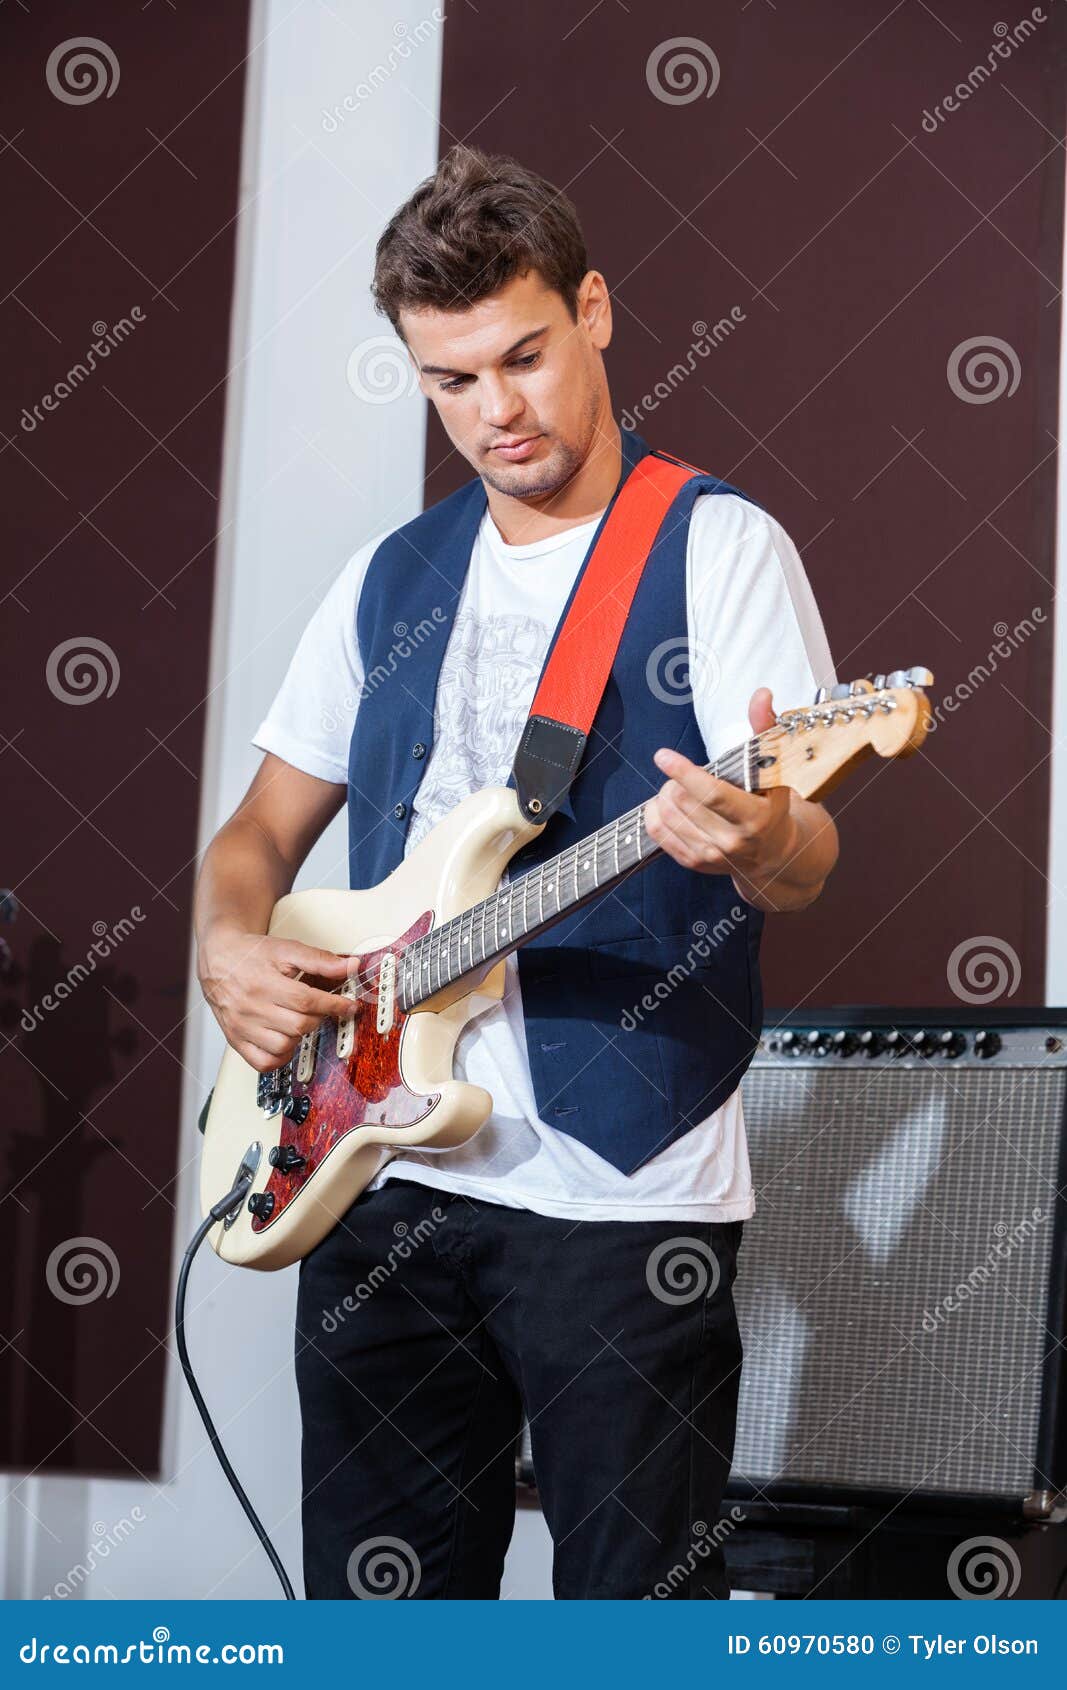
(522, 908)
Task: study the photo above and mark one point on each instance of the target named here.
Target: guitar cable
(217, 1213)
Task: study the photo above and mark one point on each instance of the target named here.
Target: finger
(258, 1058)
(707, 789)
(296, 958)
(664, 830)
(760, 710)
(294, 1026)
(310, 1002)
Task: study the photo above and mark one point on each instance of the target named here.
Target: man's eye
(454, 384)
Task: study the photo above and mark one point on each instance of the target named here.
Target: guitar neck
(535, 901)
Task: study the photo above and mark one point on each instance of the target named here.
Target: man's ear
(594, 307)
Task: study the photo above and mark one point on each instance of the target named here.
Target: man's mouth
(516, 449)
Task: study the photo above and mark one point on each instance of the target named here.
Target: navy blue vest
(642, 1010)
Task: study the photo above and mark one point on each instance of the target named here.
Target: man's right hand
(251, 982)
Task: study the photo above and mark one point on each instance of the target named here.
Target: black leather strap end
(545, 763)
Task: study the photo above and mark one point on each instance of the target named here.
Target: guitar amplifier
(901, 1286)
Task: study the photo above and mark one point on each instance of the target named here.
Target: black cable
(218, 1211)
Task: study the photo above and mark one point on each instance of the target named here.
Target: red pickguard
(346, 1093)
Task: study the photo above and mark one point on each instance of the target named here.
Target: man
(574, 1259)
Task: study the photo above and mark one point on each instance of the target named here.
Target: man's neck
(522, 521)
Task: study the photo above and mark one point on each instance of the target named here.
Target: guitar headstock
(813, 747)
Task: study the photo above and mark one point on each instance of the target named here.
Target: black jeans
(428, 1322)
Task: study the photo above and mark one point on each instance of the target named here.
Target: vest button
(418, 750)
(400, 810)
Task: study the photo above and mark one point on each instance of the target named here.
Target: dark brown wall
(862, 250)
(112, 504)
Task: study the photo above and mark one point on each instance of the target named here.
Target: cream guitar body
(429, 946)
(394, 1085)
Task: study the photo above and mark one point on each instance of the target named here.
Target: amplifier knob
(987, 1043)
(922, 1044)
(788, 1044)
(844, 1043)
(952, 1044)
(897, 1044)
(818, 1044)
(872, 1043)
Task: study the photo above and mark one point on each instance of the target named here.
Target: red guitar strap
(572, 684)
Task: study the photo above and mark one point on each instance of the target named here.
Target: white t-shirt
(752, 621)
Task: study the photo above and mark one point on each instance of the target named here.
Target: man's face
(518, 385)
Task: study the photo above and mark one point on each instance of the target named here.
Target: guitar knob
(261, 1204)
(286, 1158)
(844, 1043)
(297, 1109)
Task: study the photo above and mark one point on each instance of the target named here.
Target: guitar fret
(497, 924)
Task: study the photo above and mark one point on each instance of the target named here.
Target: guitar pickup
(307, 1057)
(346, 1029)
(386, 992)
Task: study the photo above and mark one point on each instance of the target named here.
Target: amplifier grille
(884, 1189)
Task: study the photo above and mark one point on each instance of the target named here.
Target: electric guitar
(431, 942)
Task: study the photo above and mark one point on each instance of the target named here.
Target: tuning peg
(859, 689)
(878, 683)
(910, 678)
(822, 695)
(841, 690)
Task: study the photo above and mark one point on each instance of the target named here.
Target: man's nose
(501, 404)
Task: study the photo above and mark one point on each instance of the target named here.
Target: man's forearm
(810, 854)
(242, 877)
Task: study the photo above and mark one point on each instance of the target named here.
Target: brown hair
(479, 220)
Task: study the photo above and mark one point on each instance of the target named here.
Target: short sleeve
(309, 724)
(753, 619)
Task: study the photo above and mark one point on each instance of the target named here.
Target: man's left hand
(776, 846)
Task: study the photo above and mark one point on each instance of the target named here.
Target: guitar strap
(572, 683)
